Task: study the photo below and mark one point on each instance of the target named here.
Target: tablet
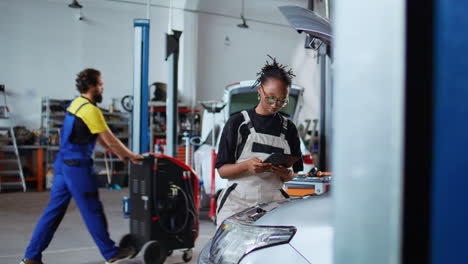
(277, 159)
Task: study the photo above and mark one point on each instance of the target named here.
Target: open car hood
(308, 21)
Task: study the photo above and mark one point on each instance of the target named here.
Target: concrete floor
(72, 243)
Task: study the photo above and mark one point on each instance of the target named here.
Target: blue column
(449, 234)
(140, 132)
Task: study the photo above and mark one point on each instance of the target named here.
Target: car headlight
(234, 240)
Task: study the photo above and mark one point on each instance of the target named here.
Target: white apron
(249, 189)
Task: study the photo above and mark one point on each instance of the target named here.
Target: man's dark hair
(86, 78)
(274, 70)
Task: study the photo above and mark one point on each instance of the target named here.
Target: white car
(237, 97)
(295, 230)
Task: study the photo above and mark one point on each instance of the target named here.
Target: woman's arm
(254, 165)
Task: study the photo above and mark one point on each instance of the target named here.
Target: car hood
(312, 217)
(308, 21)
(298, 212)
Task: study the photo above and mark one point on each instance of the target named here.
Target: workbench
(34, 162)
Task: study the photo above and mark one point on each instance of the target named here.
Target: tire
(127, 103)
(154, 253)
(188, 254)
(130, 241)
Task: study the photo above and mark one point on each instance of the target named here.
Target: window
(248, 100)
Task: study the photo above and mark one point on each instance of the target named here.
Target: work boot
(29, 261)
(124, 254)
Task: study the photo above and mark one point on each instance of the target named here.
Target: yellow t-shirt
(89, 122)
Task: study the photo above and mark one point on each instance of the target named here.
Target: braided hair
(274, 70)
(86, 78)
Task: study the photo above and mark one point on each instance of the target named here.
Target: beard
(97, 98)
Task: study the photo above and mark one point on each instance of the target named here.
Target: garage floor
(72, 243)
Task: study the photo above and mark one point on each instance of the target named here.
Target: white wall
(43, 46)
(220, 63)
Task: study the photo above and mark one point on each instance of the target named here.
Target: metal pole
(140, 137)
(212, 213)
(148, 9)
(187, 148)
(172, 54)
(213, 137)
(322, 53)
(171, 114)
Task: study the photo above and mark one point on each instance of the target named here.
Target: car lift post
(172, 54)
(325, 109)
(212, 107)
(140, 137)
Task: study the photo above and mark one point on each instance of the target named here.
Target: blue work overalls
(73, 177)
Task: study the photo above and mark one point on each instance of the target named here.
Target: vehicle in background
(237, 97)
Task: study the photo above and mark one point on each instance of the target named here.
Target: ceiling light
(75, 4)
(244, 23)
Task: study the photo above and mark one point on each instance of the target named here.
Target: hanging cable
(172, 219)
(169, 25)
(148, 7)
(201, 12)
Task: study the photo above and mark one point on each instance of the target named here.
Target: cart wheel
(130, 241)
(188, 254)
(127, 103)
(153, 253)
(169, 252)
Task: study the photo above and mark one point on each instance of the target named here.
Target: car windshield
(248, 100)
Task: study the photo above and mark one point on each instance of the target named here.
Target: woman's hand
(256, 165)
(284, 173)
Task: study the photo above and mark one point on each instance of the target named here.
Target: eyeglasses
(272, 99)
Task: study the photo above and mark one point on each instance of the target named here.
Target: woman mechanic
(251, 136)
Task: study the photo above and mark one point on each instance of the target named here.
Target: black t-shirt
(81, 135)
(269, 124)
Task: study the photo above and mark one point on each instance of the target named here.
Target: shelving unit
(52, 116)
(119, 123)
(187, 122)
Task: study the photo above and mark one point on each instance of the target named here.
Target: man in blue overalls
(74, 176)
